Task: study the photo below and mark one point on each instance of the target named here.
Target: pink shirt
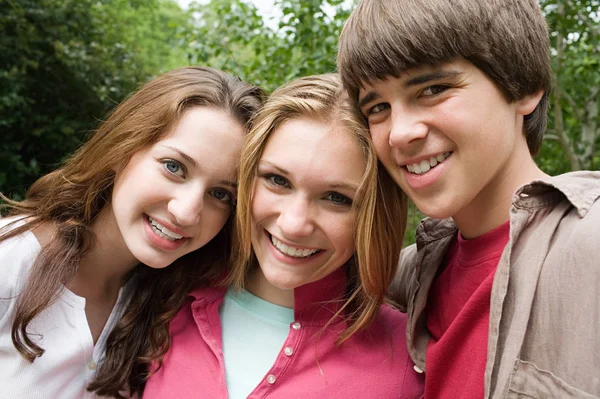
(371, 364)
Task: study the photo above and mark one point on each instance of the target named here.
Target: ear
(527, 104)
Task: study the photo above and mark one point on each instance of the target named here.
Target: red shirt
(458, 310)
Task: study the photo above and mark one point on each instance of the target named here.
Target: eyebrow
(191, 160)
(415, 81)
(333, 185)
(429, 76)
(183, 155)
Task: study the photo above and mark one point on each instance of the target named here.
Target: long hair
(70, 199)
(506, 39)
(380, 206)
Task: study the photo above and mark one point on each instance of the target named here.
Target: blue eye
(173, 167)
(338, 199)
(277, 180)
(222, 195)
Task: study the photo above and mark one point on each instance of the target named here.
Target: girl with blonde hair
(86, 294)
(319, 227)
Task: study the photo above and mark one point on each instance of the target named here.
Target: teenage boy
(502, 287)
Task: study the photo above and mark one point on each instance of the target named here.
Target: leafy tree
(64, 63)
(574, 133)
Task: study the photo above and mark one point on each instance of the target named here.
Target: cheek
(263, 203)
(211, 222)
(380, 139)
(341, 234)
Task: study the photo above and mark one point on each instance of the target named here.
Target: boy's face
(448, 137)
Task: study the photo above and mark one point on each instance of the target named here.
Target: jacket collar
(580, 188)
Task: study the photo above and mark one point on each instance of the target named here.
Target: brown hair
(507, 40)
(380, 205)
(71, 197)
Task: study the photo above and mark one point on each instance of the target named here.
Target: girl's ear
(527, 104)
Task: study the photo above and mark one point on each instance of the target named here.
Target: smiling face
(449, 138)
(302, 217)
(175, 195)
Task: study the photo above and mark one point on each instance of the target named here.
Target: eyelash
(165, 162)
(231, 200)
(270, 177)
(434, 89)
(345, 200)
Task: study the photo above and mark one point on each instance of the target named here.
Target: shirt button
(418, 369)
(288, 351)
(296, 326)
(271, 379)
(92, 365)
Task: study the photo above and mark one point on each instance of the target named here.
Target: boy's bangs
(384, 38)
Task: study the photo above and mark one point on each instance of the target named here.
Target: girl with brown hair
(319, 231)
(86, 295)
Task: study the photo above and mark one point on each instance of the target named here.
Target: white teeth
(292, 251)
(162, 231)
(425, 165)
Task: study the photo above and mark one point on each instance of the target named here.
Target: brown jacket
(544, 336)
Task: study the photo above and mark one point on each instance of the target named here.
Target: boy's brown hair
(506, 39)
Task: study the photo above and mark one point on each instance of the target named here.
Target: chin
(155, 263)
(435, 212)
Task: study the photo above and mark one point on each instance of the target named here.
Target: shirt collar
(314, 302)
(580, 188)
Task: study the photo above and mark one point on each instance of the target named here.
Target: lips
(159, 239)
(292, 251)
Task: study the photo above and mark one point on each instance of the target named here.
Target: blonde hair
(381, 205)
(507, 40)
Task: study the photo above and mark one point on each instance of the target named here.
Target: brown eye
(433, 90)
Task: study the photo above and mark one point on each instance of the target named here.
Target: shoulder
(17, 254)
(398, 290)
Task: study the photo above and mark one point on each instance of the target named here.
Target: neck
(491, 207)
(258, 285)
(104, 268)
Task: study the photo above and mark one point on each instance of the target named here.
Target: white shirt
(70, 358)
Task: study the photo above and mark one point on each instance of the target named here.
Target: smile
(292, 251)
(427, 164)
(163, 232)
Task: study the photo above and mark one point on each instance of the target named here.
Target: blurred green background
(65, 63)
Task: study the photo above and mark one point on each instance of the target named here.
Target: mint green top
(254, 331)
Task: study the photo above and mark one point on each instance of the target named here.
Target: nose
(185, 206)
(295, 219)
(407, 127)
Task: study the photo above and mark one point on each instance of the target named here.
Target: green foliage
(574, 130)
(230, 35)
(64, 64)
